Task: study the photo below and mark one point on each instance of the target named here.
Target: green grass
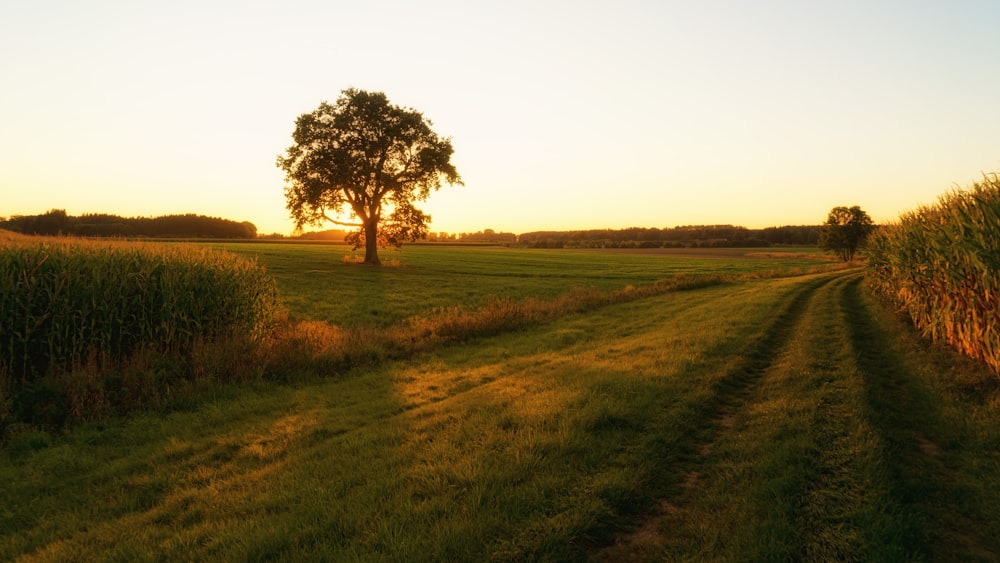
(769, 419)
(794, 469)
(842, 439)
(316, 283)
(524, 446)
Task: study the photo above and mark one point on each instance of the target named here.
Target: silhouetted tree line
(490, 236)
(57, 222)
(327, 235)
(691, 236)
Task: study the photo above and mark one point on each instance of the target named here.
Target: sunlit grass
(166, 359)
(796, 470)
(762, 419)
(514, 449)
(315, 283)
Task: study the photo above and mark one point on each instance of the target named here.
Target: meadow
(760, 408)
(317, 282)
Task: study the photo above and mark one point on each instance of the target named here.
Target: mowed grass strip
(795, 470)
(848, 445)
(538, 444)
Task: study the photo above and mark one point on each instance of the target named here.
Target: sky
(563, 114)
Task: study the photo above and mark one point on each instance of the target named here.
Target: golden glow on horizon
(605, 116)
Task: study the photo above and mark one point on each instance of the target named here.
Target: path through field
(819, 446)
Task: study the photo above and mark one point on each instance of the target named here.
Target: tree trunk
(371, 242)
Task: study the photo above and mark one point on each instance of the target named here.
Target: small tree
(845, 231)
(368, 158)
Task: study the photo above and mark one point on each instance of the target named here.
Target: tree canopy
(845, 231)
(367, 158)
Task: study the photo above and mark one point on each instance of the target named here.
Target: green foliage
(845, 231)
(941, 264)
(67, 304)
(364, 156)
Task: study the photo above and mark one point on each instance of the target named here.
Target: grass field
(316, 283)
(763, 419)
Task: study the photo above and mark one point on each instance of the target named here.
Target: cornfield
(63, 301)
(941, 264)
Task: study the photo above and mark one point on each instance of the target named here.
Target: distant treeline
(690, 236)
(676, 237)
(57, 222)
(328, 235)
(485, 236)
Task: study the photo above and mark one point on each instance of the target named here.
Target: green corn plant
(63, 300)
(941, 265)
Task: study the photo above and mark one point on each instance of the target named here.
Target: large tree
(845, 231)
(369, 159)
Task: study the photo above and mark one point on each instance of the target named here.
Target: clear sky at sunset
(563, 115)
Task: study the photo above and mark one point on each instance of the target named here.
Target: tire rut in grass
(731, 391)
(877, 473)
(717, 416)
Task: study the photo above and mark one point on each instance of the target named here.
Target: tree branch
(335, 222)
